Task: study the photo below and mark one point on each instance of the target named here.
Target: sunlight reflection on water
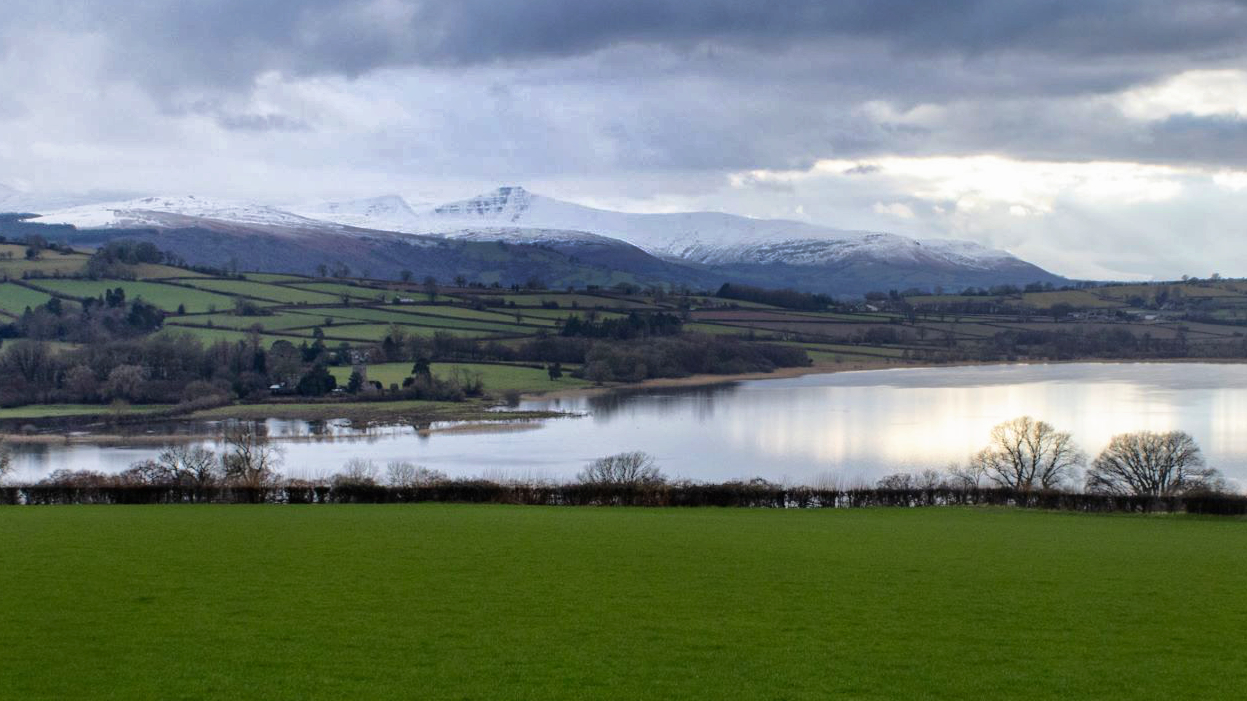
(850, 425)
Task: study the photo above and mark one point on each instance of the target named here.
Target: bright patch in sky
(1203, 93)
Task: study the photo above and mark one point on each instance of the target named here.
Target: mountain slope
(709, 237)
(702, 249)
(248, 237)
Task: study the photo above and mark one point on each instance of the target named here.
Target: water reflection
(855, 424)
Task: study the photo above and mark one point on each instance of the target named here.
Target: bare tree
(1028, 454)
(406, 474)
(124, 382)
(634, 469)
(145, 472)
(250, 459)
(965, 477)
(900, 481)
(1148, 463)
(191, 464)
(357, 471)
(905, 481)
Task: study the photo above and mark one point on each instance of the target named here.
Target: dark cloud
(169, 42)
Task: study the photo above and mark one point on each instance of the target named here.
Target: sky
(1100, 139)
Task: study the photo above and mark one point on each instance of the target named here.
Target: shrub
(629, 469)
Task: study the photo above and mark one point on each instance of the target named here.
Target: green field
(375, 333)
(490, 602)
(13, 262)
(14, 299)
(166, 297)
(281, 320)
(210, 336)
(339, 290)
(283, 294)
(497, 378)
(42, 411)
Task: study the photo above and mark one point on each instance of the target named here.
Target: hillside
(578, 245)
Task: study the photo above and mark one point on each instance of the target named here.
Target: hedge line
(723, 495)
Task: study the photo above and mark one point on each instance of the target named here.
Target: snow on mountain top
(705, 237)
(386, 213)
(515, 215)
(153, 211)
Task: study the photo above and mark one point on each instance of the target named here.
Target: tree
(357, 472)
(124, 382)
(355, 382)
(1027, 454)
(430, 288)
(317, 382)
(250, 459)
(421, 368)
(630, 469)
(965, 477)
(555, 371)
(1154, 464)
(406, 474)
(193, 465)
(405, 276)
(81, 384)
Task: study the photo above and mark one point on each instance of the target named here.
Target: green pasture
(166, 297)
(497, 378)
(339, 290)
(44, 411)
(282, 294)
(501, 602)
(14, 299)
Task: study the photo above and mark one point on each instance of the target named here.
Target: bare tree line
(1026, 454)
(1023, 455)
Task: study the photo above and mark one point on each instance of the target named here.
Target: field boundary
(747, 495)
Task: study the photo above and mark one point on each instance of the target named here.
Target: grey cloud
(260, 122)
(231, 41)
(862, 169)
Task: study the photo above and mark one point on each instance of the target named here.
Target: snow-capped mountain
(385, 213)
(708, 238)
(702, 248)
(170, 212)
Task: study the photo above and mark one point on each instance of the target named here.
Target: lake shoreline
(480, 417)
(705, 380)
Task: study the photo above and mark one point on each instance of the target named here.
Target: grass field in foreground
(496, 602)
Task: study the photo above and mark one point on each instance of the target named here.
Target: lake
(827, 428)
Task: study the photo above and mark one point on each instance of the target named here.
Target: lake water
(814, 429)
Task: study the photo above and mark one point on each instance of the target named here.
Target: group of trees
(107, 317)
(249, 459)
(162, 368)
(788, 299)
(1026, 454)
(623, 328)
(1137, 472)
(663, 354)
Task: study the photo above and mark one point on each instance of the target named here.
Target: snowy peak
(507, 204)
(515, 215)
(386, 213)
(711, 238)
(171, 211)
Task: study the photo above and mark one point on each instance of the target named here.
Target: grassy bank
(506, 602)
(407, 411)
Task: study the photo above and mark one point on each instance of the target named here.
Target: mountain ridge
(691, 247)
